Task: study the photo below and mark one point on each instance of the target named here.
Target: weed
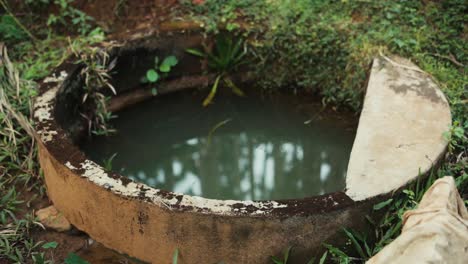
(10, 22)
(327, 46)
(107, 163)
(285, 257)
(48, 245)
(454, 136)
(17, 152)
(17, 162)
(159, 71)
(386, 229)
(67, 13)
(175, 256)
(15, 244)
(10, 31)
(226, 58)
(97, 65)
(72, 258)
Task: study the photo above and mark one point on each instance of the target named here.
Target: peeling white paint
(70, 166)
(47, 136)
(99, 176)
(43, 108)
(54, 78)
(44, 104)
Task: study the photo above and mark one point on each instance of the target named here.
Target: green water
(237, 148)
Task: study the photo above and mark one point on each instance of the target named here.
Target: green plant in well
(97, 65)
(226, 57)
(107, 163)
(160, 70)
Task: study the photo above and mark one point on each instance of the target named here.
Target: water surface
(237, 148)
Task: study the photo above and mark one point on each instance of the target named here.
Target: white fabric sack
(435, 232)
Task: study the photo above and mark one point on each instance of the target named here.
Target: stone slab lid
(400, 132)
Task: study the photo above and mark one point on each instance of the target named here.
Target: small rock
(53, 219)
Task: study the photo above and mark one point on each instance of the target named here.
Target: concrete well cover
(399, 137)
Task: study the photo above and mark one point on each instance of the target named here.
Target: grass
(19, 169)
(324, 47)
(18, 164)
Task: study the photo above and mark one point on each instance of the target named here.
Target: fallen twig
(451, 58)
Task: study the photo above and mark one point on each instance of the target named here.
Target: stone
(51, 218)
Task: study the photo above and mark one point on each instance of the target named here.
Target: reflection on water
(238, 148)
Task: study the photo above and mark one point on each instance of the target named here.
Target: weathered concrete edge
(152, 233)
(59, 145)
(149, 224)
(400, 132)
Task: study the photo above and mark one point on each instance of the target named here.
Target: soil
(117, 16)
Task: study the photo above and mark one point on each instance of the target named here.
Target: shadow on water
(245, 148)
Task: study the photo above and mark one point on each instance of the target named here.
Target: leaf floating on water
(218, 125)
(234, 87)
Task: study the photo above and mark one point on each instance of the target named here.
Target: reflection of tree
(248, 158)
(224, 172)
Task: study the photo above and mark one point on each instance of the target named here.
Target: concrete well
(399, 137)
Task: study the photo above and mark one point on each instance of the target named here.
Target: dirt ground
(70, 241)
(117, 16)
